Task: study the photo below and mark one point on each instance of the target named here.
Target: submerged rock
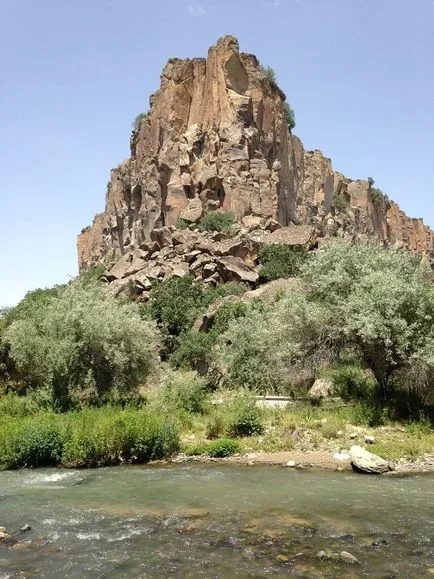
(366, 462)
(342, 557)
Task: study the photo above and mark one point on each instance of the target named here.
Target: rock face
(216, 139)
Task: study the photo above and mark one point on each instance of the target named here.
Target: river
(214, 520)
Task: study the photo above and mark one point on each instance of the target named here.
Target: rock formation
(216, 139)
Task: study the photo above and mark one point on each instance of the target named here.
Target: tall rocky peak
(216, 139)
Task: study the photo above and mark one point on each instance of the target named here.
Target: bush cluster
(175, 304)
(138, 120)
(289, 115)
(223, 448)
(92, 437)
(378, 196)
(78, 343)
(217, 221)
(377, 302)
(279, 260)
(339, 202)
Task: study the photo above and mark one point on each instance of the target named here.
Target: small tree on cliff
(289, 115)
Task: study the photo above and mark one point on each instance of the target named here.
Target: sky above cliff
(359, 74)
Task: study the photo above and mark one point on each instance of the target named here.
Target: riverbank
(311, 460)
(189, 424)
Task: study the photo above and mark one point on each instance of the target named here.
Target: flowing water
(215, 521)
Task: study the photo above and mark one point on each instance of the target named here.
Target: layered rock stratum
(216, 138)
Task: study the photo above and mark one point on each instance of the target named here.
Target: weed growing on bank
(88, 438)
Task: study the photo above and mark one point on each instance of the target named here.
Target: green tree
(381, 301)
(289, 115)
(81, 343)
(377, 302)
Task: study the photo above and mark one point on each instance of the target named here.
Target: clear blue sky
(359, 74)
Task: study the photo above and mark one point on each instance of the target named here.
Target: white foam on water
(39, 479)
(89, 536)
(127, 535)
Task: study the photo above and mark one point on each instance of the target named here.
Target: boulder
(321, 389)
(193, 211)
(162, 236)
(235, 269)
(302, 235)
(365, 462)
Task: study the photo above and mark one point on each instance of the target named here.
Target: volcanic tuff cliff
(216, 138)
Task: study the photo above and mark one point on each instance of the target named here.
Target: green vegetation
(78, 386)
(339, 202)
(217, 221)
(138, 120)
(77, 344)
(245, 418)
(269, 72)
(280, 260)
(182, 224)
(377, 195)
(289, 115)
(176, 303)
(91, 437)
(377, 303)
(195, 349)
(223, 447)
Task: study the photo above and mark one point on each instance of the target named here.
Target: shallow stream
(201, 520)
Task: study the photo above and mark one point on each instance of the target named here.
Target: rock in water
(366, 462)
(346, 557)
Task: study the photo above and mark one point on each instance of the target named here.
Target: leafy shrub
(81, 342)
(289, 115)
(215, 425)
(353, 383)
(88, 438)
(280, 260)
(175, 304)
(227, 313)
(194, 350)
(187, 392)
(223, 447)
(248, 357)
(269, 72)
(195, 449)
(182, 224)
(37, 441)
(246, 419)
(138, 120)
(217, 221)
(370, 414)
(378, 196)
(339, 202)
(13, 405)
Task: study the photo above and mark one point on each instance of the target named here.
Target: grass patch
(217, 221)
(88, 438)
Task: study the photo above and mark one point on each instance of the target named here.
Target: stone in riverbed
(366, 462)
(342, 557)
(346, 557)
